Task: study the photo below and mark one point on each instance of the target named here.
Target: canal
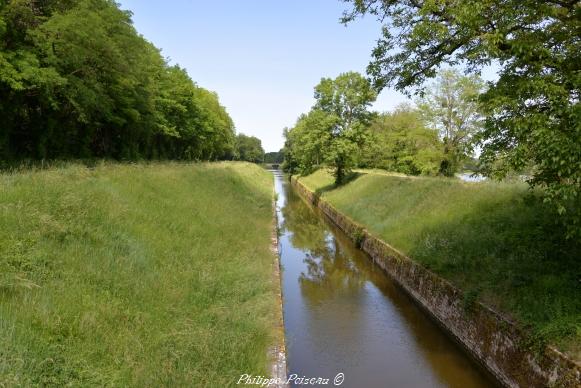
(344, 315)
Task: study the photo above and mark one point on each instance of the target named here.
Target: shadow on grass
(351, 177)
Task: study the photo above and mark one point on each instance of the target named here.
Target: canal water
(345, 319)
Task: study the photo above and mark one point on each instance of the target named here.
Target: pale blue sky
(262, 57)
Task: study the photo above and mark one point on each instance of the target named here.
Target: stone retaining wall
(495, 342)
(277, 353)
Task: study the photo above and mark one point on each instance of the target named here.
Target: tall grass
(496, 241)
(135, 275)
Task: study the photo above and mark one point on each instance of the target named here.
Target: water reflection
(342, 314)
(328, 275)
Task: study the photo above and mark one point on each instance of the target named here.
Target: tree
(341, 115)
(533, 115)
(309, 140)
(216, 138)
(249, 148)
(400, 141)
(274, 157)
(77, 81)
(290, 162)
(451, 107)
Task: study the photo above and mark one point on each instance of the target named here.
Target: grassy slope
(496, 241)
(142, 275)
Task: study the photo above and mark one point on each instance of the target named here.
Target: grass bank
(496, 241)
(135, 275)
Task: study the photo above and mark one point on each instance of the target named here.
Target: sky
(262, 57)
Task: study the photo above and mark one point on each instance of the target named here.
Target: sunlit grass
(496, 241)
(135, 275)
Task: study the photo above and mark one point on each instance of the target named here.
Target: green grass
(135, 275)
(496, 241)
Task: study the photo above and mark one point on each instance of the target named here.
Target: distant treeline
(78, 81)
(276, 157)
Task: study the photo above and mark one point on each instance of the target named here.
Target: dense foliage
(249, 149)
(401, 142)
(451, 107)
(435, 138)
(77, 80)
(276, 157)
(334, 131)
(533, 118)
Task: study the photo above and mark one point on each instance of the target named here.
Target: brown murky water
(344, 315)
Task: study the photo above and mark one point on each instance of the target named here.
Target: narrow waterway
(344, 315)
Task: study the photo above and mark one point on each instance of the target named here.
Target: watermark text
(293, 378)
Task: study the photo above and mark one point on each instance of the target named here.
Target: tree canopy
(341, 132)
(334, 131)
(400, 141)
(77, 80)
(275, 157)
(532, 111)
(249, 149)
(451, 107)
